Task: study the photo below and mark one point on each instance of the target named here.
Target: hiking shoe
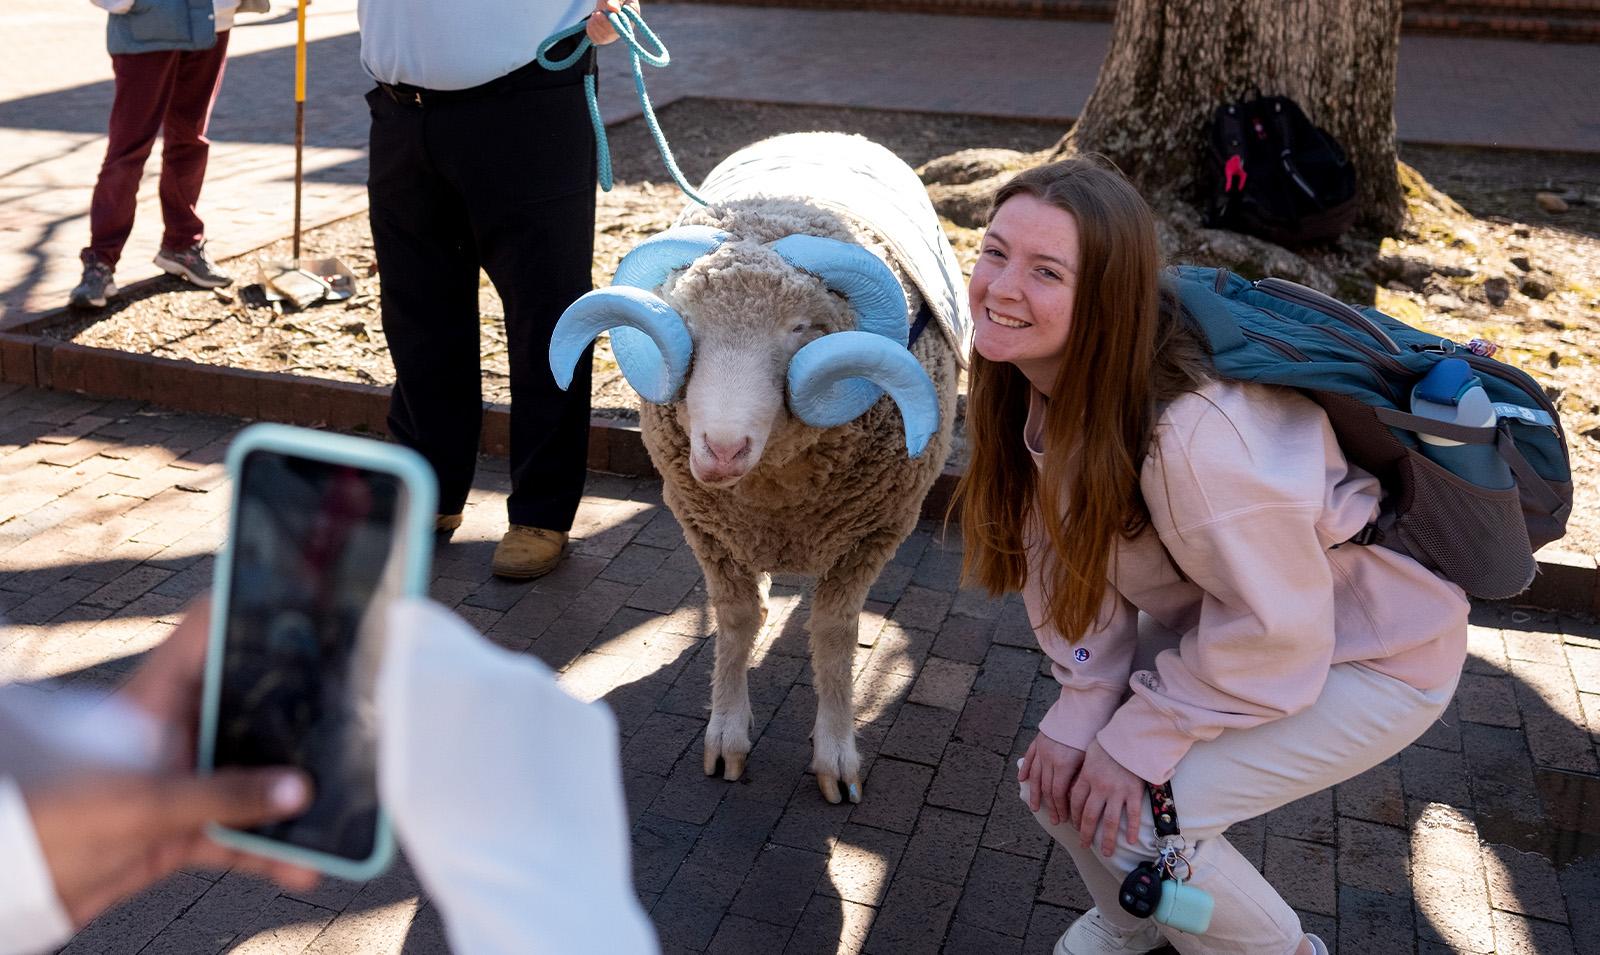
(1092, 934)
(96, 288)
(527, 552)
(446, 523)
(193, 264)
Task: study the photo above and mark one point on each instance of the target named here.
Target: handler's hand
(599, 28)
(1048, 768)
(1102, 795)
(105, 837)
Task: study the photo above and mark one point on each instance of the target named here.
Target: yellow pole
(300, 53)
(299, 115)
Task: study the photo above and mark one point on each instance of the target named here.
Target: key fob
(1141, 891)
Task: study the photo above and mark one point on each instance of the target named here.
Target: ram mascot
(796, 341)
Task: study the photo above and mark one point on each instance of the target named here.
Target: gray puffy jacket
(151, 25)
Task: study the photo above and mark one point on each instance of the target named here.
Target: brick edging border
(1566, 581)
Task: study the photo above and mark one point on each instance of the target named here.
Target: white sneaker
(1092, 934)
(1317, 945)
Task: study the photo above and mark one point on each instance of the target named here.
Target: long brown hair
(1128, 350)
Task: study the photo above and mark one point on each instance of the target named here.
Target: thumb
(232, 797)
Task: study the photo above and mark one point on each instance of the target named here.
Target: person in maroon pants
(168, 57)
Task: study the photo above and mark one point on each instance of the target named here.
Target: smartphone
(325, 529)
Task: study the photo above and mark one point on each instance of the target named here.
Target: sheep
(813, 259)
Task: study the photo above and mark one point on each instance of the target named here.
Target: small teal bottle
(1451, 392)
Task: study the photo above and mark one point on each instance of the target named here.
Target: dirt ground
(1485, 262)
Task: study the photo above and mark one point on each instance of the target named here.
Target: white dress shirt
(460, 44)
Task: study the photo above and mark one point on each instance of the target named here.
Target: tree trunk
(1172, 62)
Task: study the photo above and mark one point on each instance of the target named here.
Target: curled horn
(821, 375)
(662, 357)
(651, 261)
(647, 267)
(856, 274)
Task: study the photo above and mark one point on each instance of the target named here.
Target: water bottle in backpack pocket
(1450, 392)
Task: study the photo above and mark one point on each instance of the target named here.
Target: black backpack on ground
(1276, 175)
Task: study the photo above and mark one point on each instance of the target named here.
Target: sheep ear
(826, 379)
(855, 273)
(662, 360)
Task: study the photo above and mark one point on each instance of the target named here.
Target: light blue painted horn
(651, 261)
(861, 277)
(820, 373)
(659, 373)
(856, 274)
(646, 267)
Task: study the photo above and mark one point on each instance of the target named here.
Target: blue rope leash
(640, 56)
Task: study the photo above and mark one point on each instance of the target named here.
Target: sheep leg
(835, 623)
(740, 599)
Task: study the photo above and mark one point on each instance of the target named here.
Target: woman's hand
(599, 28)
(1102, 796)
(1047, 769)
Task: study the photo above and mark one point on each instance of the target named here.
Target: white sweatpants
(1361, 719)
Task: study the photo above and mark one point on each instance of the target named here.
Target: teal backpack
(1469, 450)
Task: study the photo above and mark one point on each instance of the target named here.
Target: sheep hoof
(729, 766)
(836, 790)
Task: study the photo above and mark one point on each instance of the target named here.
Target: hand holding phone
(325, 530)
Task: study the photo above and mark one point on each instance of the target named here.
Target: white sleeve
(48, 732)
(44, 733)
(31, 916)
(505, 792)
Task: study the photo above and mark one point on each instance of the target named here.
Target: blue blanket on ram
(870, 185)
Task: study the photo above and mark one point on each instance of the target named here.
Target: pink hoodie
(1251, 497)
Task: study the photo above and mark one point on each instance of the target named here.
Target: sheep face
(733, 405)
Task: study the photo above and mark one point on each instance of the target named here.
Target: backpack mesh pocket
(1475, 536)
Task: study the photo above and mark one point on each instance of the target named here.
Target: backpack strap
(1377, 532)
(1211, 312)
(1280, 121)
(1529, 482)
(1466, 434)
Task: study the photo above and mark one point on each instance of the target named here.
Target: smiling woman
(1115, 475)
(1022, 286)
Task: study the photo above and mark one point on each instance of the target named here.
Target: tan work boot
(445, 523)
(528, 552)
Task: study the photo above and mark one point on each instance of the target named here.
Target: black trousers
(503, 177)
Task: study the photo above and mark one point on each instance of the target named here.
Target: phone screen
(314, 545)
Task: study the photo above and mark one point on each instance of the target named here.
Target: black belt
(528, 76)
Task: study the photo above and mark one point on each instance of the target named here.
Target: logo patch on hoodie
(1081, 655)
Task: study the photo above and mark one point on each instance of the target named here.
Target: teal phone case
(414, 532)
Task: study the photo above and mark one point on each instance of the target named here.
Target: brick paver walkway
(54, 101)
(109, 513)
